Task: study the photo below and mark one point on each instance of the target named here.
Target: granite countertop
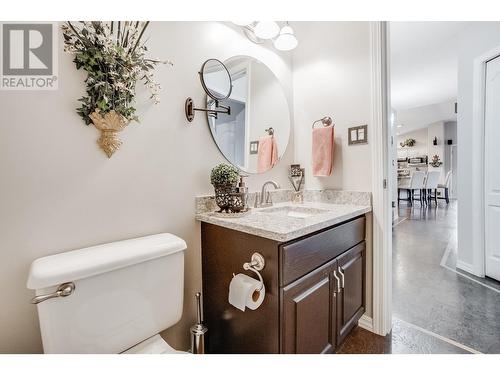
(263, 222)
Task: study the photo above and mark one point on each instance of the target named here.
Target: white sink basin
(294, 211)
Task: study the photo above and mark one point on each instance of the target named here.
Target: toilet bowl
(153, 345)
(111, 298)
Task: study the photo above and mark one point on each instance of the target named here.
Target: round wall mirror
(255, 134)
(215, 79)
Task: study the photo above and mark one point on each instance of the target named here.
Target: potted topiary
(224, 178)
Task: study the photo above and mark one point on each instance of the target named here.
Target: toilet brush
(199, 330)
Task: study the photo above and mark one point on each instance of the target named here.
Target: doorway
(430, 293)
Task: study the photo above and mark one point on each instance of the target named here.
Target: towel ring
(270, 131)
(327, 121)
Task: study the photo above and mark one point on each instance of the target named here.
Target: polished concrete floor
(436, 307)
(428, 293)
(404, 339)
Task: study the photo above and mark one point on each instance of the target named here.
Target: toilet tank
(125, 292)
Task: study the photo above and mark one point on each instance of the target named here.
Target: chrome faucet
(264, 193)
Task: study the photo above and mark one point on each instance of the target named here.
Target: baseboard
(366, 322)
(467, 267)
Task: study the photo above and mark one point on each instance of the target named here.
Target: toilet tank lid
(79, 264)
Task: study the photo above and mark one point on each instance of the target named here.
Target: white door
(492, 169)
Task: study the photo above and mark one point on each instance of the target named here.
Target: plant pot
(223, 196)
(238, 201)
(109, 124)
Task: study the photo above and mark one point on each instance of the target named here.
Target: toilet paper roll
(244, 292)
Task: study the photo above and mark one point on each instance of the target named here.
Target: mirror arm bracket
(190, 109)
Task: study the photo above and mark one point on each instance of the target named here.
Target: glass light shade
(286, 41)
(242, 23)
(266, 29)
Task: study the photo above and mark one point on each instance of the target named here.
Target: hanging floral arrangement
(114, 56)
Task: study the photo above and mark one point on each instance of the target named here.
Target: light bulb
(266, 29)
(286, 41)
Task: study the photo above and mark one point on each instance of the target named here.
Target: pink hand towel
(322, 151)
(268, 153)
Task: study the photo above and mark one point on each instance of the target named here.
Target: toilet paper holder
(256, 264)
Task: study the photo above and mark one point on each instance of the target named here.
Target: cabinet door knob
(338, 280)
(342, 275)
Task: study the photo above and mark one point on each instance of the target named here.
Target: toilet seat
(153, 345)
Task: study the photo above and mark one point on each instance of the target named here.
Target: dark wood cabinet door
(351, 299)
(309, 314)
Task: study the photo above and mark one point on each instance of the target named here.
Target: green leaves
(102, 105)
(224, 174)
(114, 58)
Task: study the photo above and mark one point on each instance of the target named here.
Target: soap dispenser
(243, 190)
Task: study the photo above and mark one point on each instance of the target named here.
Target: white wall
(477, 40)
(436, 130)
(420, 117)
(331, 77)
(59, 191)
(421, 147)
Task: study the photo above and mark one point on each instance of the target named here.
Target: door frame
(453, 156)
(381, 186)
(478, 159)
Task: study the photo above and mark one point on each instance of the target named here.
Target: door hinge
(385, 183)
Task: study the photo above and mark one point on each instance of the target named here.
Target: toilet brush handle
(199, 311)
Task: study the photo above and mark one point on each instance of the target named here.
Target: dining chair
(416, 184)
(431, 184)
(446, 187)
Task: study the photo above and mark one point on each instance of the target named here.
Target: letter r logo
(27, 49)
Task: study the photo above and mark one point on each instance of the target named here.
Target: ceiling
(423, 62)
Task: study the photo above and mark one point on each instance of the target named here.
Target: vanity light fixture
(286, 41)
(259, 32)
(266, 29)
(242, 23)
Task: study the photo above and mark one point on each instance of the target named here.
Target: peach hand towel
(268, 153)
(322, 151)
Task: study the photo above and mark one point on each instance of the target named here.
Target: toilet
(112, 298)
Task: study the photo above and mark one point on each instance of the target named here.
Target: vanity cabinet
(321, 308)
(315, 289)
(309, 320)
(351, 299)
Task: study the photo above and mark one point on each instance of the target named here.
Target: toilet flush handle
(63, 290)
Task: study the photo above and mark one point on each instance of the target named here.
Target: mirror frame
(205, 87)
(189, 107)
(247, 173)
